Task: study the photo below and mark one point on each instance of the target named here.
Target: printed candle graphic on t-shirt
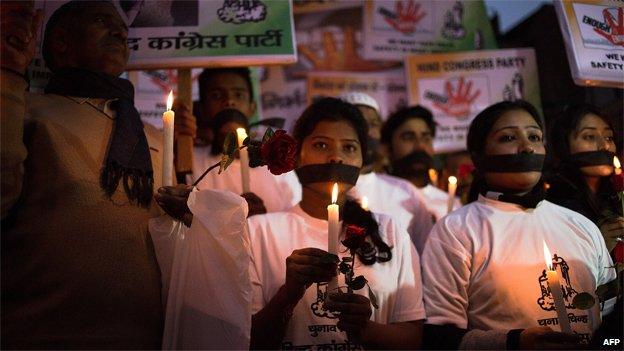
(317, 306)
(546, 301)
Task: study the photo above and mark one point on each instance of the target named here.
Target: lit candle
(617, 165)
(557, 292)
(244, 159)
(433, 177)
(167, 166)
(333, 230)
(452, 187)
(364, 203)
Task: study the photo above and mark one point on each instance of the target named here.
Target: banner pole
(184, 143)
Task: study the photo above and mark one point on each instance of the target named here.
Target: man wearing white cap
(387, 194)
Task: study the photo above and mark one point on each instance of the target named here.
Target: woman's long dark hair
(567, 176)
(368, 254)
(481, 126)
(332, 109)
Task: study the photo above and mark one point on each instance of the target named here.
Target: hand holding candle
(244, 159)
(452, 187)
(556, 292)
(167, 165)
(333, 230)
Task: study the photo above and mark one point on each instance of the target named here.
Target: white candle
(433, 177)
(364, 203)
(168, 120)
(617, 165)
(452, 187)
(333, 231)
(244, 159)
(557, 293)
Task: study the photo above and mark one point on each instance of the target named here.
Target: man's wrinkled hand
(173, 200)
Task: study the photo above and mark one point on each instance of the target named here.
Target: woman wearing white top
(484, 267)
(291, 266)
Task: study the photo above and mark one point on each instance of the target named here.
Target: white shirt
(484, 267)
(436, 201)
(396, 283)
(389, 195)
(275, 191)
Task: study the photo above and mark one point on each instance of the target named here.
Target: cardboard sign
(193, 33)
(457, 86)
(593, 32)
(387, 88)
(393, 29)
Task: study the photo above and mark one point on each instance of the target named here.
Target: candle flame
(452, 180)
(548, 257)
(433, 174)
(335, 193)
(616, 162)
(364, 203)
(241, 135)
(170, 100)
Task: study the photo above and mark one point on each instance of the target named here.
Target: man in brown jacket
(78, 172)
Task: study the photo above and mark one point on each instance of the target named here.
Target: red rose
(354, 237)
(618, 182)
(465, 169)
(618, 252)
(279, 152)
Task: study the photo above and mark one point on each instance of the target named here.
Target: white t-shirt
(484, 266)
(274, 190)
(396, 283)
(399, 199)
(436, 201)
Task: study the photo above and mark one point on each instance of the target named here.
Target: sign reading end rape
(457, 86)
(593, 32)
(195, 33)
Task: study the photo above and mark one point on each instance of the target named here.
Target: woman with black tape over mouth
(583, 143)
(292, 305)
(492, 250)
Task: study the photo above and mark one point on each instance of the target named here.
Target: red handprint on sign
(405, 17)
(616, 35)
(459, 100)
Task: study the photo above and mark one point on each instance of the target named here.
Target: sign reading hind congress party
(593, 32)
(195, 33)
(457, 86)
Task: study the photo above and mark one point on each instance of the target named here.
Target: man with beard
(78, 172)
(408, 135)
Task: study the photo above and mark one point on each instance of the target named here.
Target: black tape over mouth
(511, 163)
(328, 172)
(591, 158)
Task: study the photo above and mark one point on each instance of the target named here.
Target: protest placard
(387, 88)
(593, 32)
(393, 29)
(193, 33)
(457, 86)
